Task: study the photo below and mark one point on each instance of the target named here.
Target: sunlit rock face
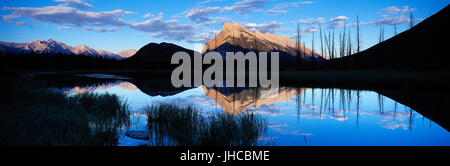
(234, 34)
(240, 99)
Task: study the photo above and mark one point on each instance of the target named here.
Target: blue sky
(131, 24)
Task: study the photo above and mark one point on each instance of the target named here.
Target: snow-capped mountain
(52, 46)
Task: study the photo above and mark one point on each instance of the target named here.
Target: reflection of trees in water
(339, 103)
(336, 103)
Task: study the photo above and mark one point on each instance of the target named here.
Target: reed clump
(185, 126)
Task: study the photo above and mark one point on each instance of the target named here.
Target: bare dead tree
(357, 33)
(381, 37)
(312, 48)
(321, 43)
(343, 45)
(349, 43)
(304, 51)
(395, 29)
(340, 44)
(298, 42)
(333, 48)
(344, 42)
(327, 43)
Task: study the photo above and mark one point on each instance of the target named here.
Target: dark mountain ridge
(154, 55)
(422, 47)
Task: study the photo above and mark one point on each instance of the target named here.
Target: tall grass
(185, 126)
(33, 115)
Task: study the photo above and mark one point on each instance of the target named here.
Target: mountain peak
(234, 34)
(235, 28)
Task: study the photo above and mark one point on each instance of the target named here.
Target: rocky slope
(235, 37)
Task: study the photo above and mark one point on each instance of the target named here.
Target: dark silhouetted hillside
(423, 47)
(156, 55)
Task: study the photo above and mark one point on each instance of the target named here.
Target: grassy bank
(185, 126)
(34, 115)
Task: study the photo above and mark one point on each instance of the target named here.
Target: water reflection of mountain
(431, 104)
(78, 84)
(237, 100)
(86, 89)
(157, 86)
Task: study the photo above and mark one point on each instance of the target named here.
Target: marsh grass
(33, 115)
(185, 126)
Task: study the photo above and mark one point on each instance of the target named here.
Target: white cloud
(65, 27)
(247, 6)
(201, 14)
(396, 10)
(338, 18)
(20, 23)
(388, 20)
(277, 12)
(8, 17)
(281, 8)
(148, 15)
(203, 37)
(285, 5)
(75, 3)
(391, 16)
(269, 27)
(68, 15)
(63, 15)
(208, 1)
(216, 22)
(167, 29)
(336, 22)
(309, 29)
(113, 29)
(310, 21)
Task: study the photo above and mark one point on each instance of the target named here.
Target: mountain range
(53, 47)
(233, 37)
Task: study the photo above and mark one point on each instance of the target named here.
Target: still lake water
(296, 116)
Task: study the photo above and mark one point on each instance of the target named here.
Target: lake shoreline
(351, 79)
